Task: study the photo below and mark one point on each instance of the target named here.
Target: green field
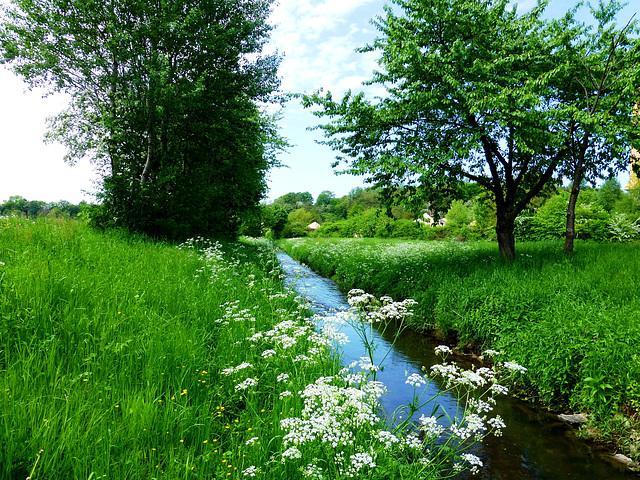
(125, 358)
(573, 322)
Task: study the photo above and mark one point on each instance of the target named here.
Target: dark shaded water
(534, 445)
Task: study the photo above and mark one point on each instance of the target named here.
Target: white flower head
(442, 349)
(249, 382)
(491, 352)
(250, 472)
(416, 380)
(514, 367)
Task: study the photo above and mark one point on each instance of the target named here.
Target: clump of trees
(17, 205)
(164, 100)
(603, 213)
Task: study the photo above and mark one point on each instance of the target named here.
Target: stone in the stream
(622, 458)
(577, 419)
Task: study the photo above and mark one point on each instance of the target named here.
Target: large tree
(471, 94)
(598, 85)
(163, 97)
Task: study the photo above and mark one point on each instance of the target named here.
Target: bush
(550, 221)
(404, 228)
(622, 228)
(458, 218)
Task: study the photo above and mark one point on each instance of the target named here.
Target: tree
(15, 204)
(163, 97)
(274, 218)
(293, 201)
(471, 94)
(298, 223)
(599, 88)
(458, 218)
(609, 194)
(324, 198)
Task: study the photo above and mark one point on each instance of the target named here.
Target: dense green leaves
(164, 99)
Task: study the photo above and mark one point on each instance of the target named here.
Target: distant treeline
(603, 213)
(17, 205)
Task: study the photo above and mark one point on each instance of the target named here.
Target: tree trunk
(506, 238)
(146, 172)
(570, 231)
(578, 172)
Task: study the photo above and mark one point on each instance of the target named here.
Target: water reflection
(534, 446)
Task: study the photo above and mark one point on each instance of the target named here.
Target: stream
(534, 445)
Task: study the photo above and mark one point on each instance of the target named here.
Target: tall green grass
(110, 353)
(573, 322)
(121, 357)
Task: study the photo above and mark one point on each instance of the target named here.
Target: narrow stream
(535, 444)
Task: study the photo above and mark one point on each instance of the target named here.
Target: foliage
(544, 219)
(458, 219)
(163, 99)
(609, 194)
(477, 92)
(549, 222)
(623, 229)
(298, 222)
(274, 219)
(17, 205)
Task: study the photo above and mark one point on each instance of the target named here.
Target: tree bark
(570, 231)
(578, 172)
(506, 238)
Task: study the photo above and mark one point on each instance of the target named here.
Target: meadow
(122, 357)
(573, 322)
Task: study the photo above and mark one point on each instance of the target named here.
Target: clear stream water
(534, 445)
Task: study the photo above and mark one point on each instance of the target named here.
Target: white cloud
(319, 39)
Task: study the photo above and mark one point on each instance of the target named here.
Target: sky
(317, 39)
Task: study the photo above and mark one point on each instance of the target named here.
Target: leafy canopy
(474, 91)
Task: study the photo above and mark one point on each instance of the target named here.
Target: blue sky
(318, 39)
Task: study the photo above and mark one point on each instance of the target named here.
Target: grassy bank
(573, 322)
(126, 358)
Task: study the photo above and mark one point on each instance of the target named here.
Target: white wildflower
(442, 349)
(268, 353)
(361, 460)
(491, 352)
(472, 460)
(249, 382)
(497, 424)
(429, 425)
(291, 452)
(416, 380)
(514, 367)
(312, 471)
(386, 437)
(499, 389)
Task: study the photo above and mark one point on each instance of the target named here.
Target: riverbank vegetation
(123, 357)
(572, 321)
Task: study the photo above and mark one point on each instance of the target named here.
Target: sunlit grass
(121, 357)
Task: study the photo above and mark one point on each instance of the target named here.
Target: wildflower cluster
(332, 413)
